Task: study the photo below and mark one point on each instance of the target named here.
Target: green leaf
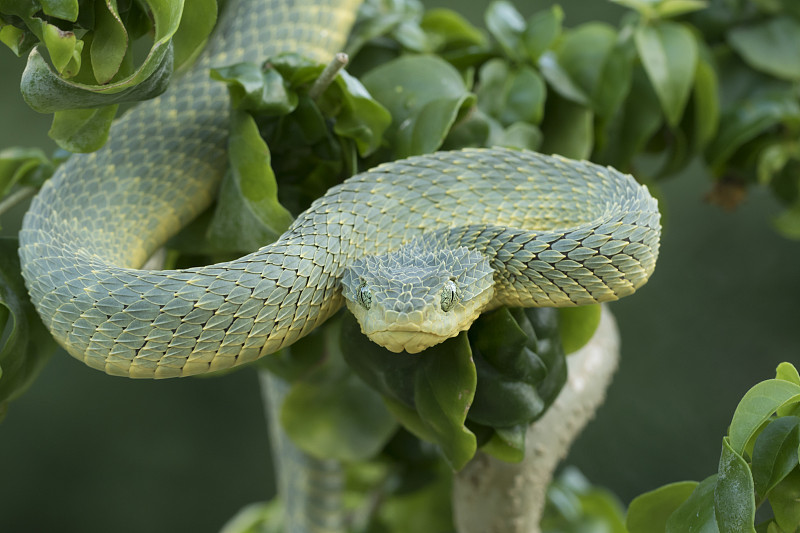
(560, 79)
(583, 52)
(507, 444)
(425, 95)
(507, 26)
(252, 88)
(520, 135)
(64, 48)
(443, 392)
(18, 40)
(568, 129)
(696, 514)
(82, 130)
(24, 166)
(511, 94)
(674, 8)
(259, 517)
(331, 413)
(25, 344)
(248, 214)
(775, 453)
(575, 506)
(788, 372)
(734, 499)
(668, 51)
(706, 104)
(757, 406)
(648, 512)
(110, 42)
(787, 223)
(542, 30)
(446, 28)
(785, 501)
(61, 9)
(577, 326)
(770, 46)
(47, 92)
(195, 27)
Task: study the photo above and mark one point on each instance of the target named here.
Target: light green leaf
(734, 499)
(583, 53)
(521, 135)
(696, 514)
(770, 46)
(568, 129)
(507, 444)
(560, 79)
(788, 372)
(787, 223)
(64, 48)
(511, 95)
(332, 414)
(61, 9)
(248, 214)
(445, 27)
(82, 130)
(668, 51)
(674, 8)
(577, 326)
(425, 95)
(255, 89)
(648, 512)
(110, 42)
(443, 392)
(755, 408)
(775, 453)
(260, 517)
(195, 27)
(542, 30)
(507, 26)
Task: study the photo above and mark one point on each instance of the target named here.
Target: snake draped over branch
(417, 248)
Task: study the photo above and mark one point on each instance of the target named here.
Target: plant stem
(327, 76)
(492, 496)
(311, 488)
(15, 197)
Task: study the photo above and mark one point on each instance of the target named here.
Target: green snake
(417, 248)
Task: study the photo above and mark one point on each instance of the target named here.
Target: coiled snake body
(523, 228)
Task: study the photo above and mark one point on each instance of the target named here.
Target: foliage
(759, 463)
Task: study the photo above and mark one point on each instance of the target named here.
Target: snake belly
(558, 232)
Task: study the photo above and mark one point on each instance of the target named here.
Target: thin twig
(16, 197)
(338, 62)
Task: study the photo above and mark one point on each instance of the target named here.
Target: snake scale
(481, 228)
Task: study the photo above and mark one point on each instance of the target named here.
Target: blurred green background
(84, 452)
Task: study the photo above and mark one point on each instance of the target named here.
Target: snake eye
(449, 295)
(364, 295)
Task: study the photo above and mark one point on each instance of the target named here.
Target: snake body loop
(554, 231)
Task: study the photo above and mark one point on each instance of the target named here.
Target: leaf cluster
(93, 67)
(759, 464)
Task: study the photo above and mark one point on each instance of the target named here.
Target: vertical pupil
(364, 296)
(449, 293)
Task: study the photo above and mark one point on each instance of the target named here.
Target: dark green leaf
(696, 514)
(785, 502)
(25, 344)
(25, 166)
(734, 499)
(755, 408)
(542, 30)
(196, 24)
(443, 392)
(507, 26)
(332, 414)
(568, 129)
(425, 95)
(110, 42)
(706, 104)
(577, 325)
(669, 54)
(82, 130)
(770, 46)
(648, 513)
(511, 94)
(248, 214)
(775, 453)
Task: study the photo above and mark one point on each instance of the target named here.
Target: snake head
(417, 296)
